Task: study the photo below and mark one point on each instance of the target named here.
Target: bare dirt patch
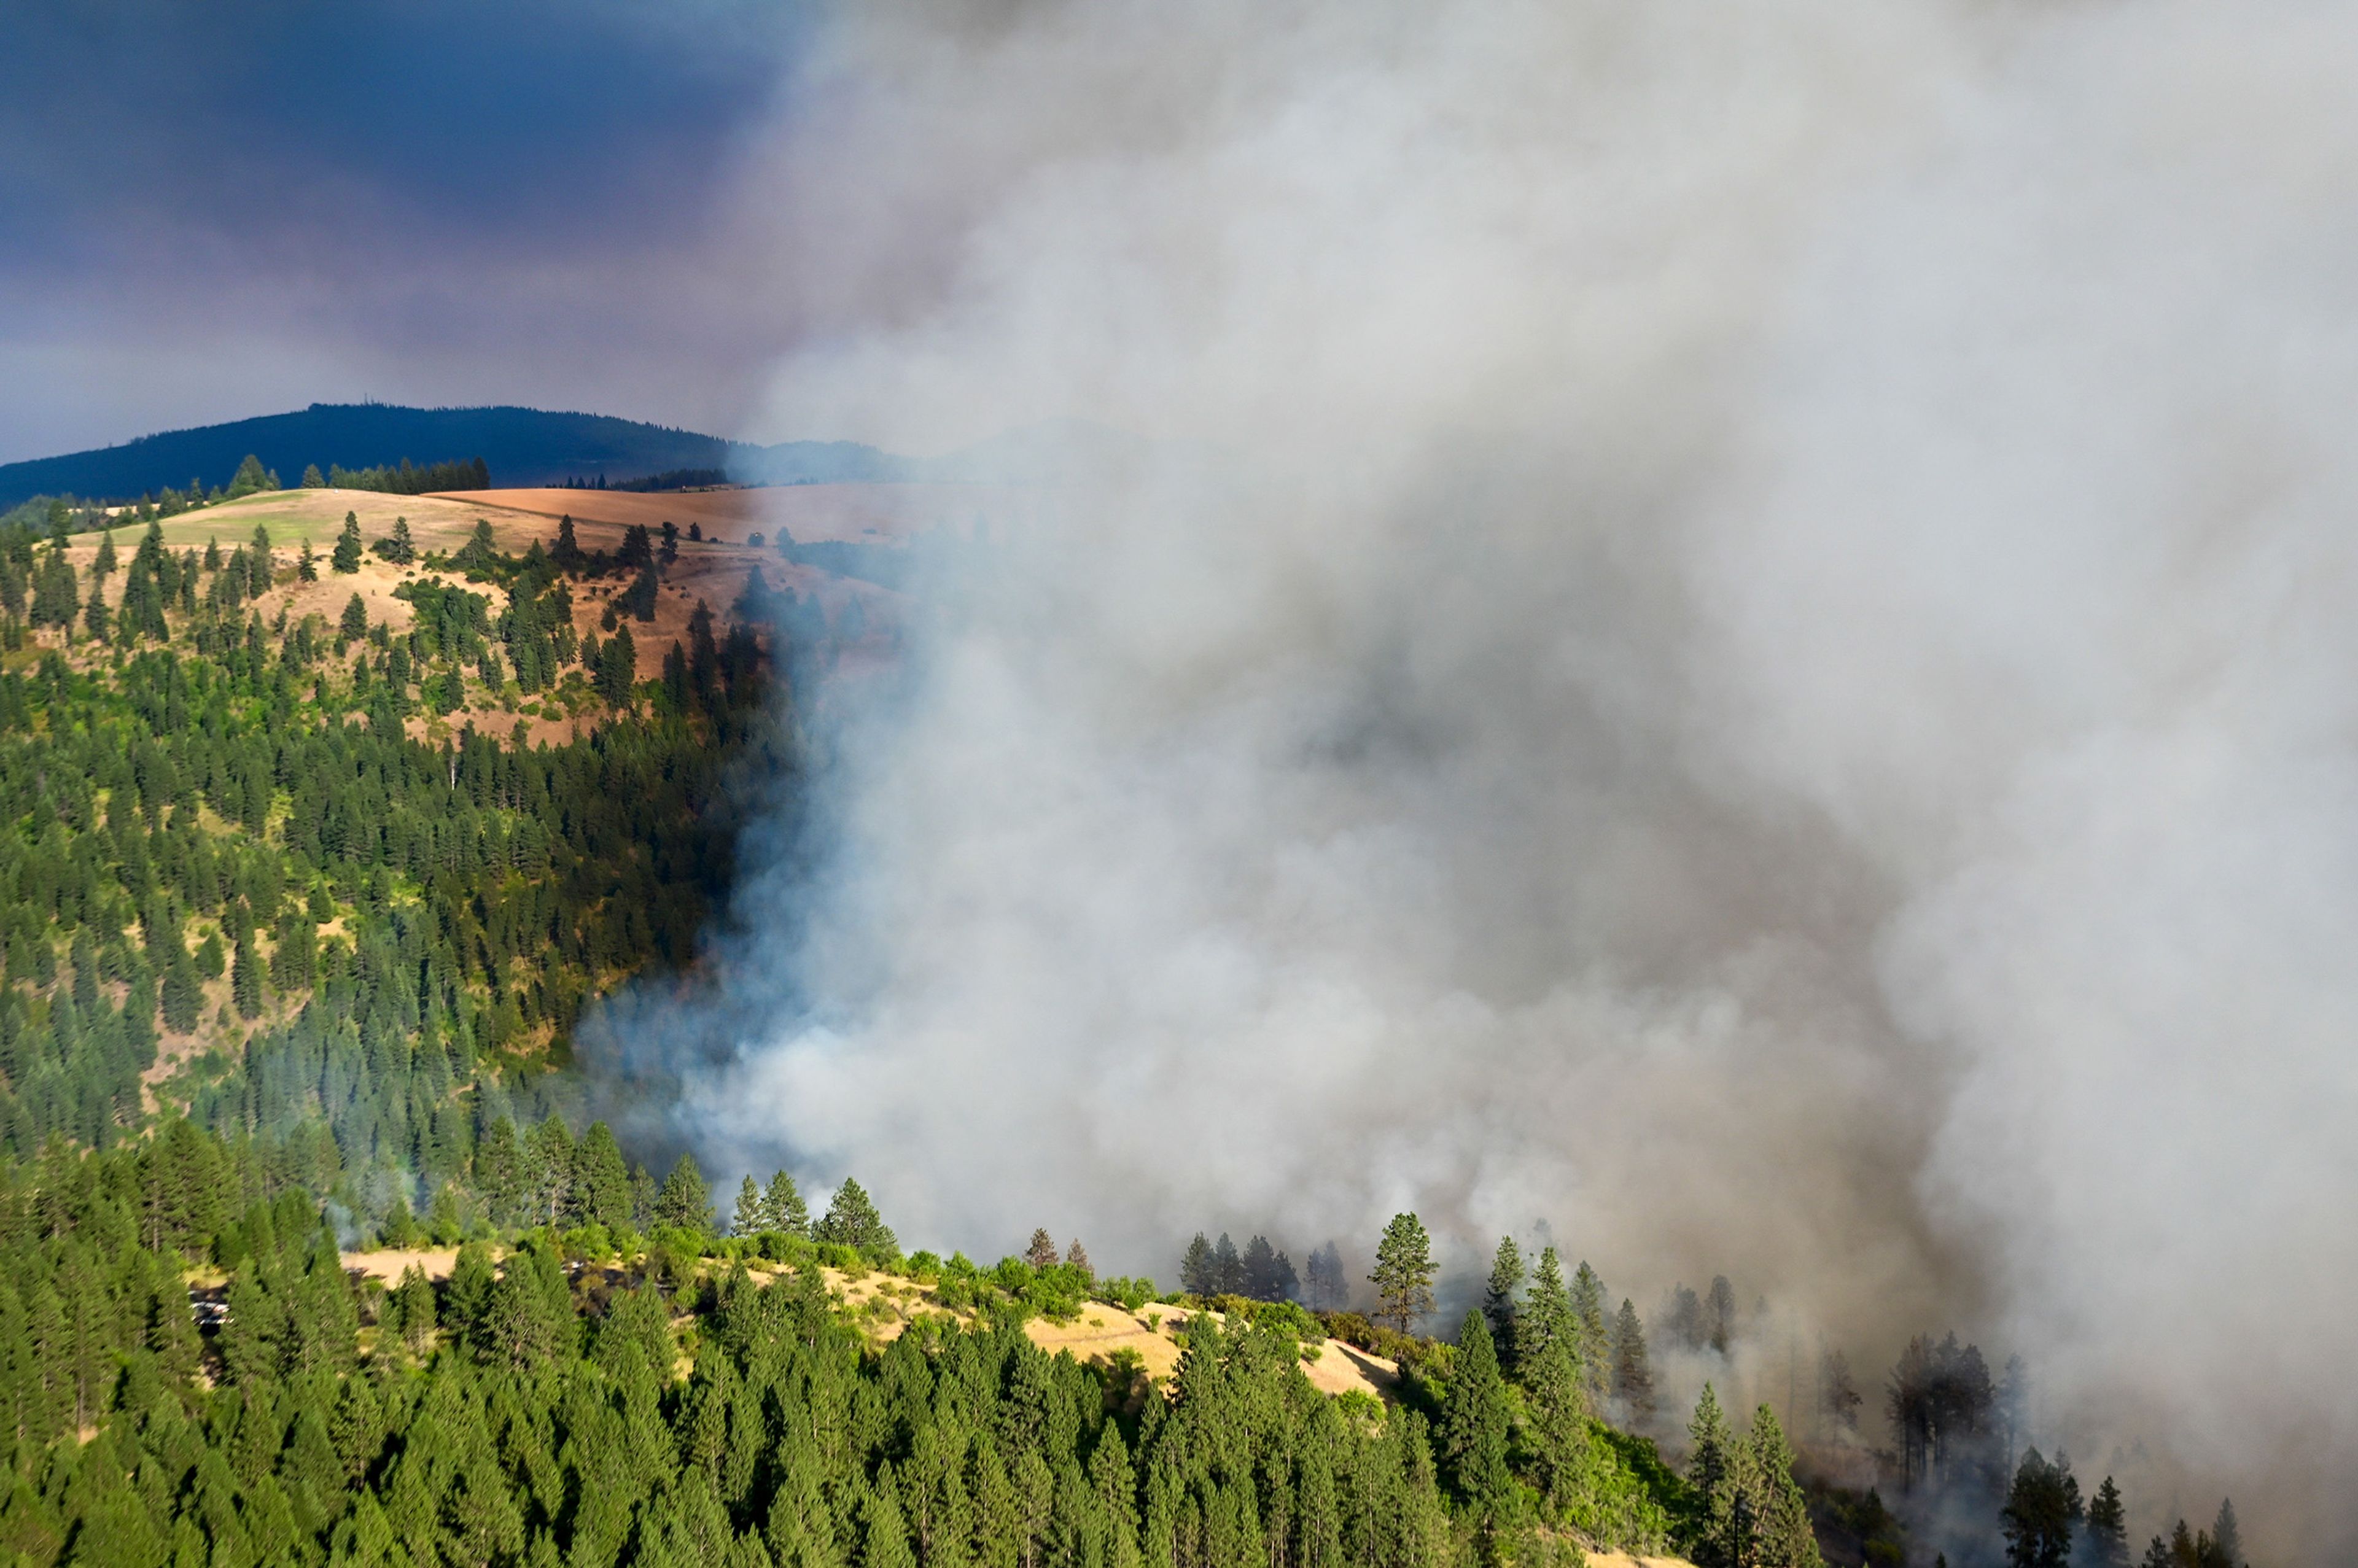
(1102, 1330)
(390, 1263)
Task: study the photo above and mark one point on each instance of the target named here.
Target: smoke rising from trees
(1738, 640)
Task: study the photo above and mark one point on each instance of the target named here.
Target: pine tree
(2226, 1535)
(1783, 1536)
(1474, 1425)
(684, 1201)
(1590, 1305)
(1198, 1274)
(250, 477)
(2108, 1531)
(1718, 1469)
(1557, 1409)
(2041, 1513)
(1403, 1271)
(313, 478)
(398, 546)
(1633, 1377)
(1838, 1395)
(1228, 1266)
(1547, 1319)
(852, 1221)
(600, 1190)
(783, 1201)
(1501, 1298)
(1041, 1252)
(414, 1309)
(617, 668)
(753, 1216)
(1078, 1257)
(245, 976)
(102, 566)
(306, 563)
(345, 557)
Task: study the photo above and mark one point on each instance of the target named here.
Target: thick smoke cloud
(1738, 646)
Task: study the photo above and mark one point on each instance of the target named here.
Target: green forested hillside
(237, 886)
(282, 978)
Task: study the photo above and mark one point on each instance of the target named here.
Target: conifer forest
(316, 1252)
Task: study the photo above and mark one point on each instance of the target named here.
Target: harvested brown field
(713, 573)
(855, 513)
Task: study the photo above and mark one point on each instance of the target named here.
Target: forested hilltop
(311, 1250)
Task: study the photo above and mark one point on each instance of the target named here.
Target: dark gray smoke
(1741, 645)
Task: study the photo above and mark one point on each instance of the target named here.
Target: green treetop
(1403, 1271)
(1474, 1424)
(2041, 1514)
(852, 1220)
(783, 1205)
(1501, 1297)
(684, 1201)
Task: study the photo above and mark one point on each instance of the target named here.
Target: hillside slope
(521, 446)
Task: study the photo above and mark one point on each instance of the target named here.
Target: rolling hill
(521, 447)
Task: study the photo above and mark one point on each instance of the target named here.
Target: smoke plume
(1733, 636)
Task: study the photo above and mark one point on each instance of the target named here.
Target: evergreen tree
(345, 557)
(1783, 1536)
(245, 976)
(1838, 1395)
(2041, 1514)
(353, 626)
(102, 566)
(1501, 1298)
(2226, 1536)
(1041, 1252)
(398, 546)
(1718, 1468)
(1078, 1257)
(414, 1309)
(1228, 1266)
(601, 1189)
(2108, 1528)
(1328, 1289)
(1198, 1273)
(617, 668)
(851, 1220)
(1474, 1426)
(250, 477)
(1403, 1271)
(1590, 1305)
(313, 478)
(784, 1202)
(1547, 1319)
(684, 1201)
(753, 1216)
(306, 563)
(1633, 1377)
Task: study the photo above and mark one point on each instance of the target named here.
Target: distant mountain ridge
(520, 446)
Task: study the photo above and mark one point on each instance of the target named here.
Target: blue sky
(211, 211)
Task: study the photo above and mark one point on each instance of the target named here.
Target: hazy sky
(212, 211)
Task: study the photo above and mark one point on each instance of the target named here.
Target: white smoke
(1757, 666)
